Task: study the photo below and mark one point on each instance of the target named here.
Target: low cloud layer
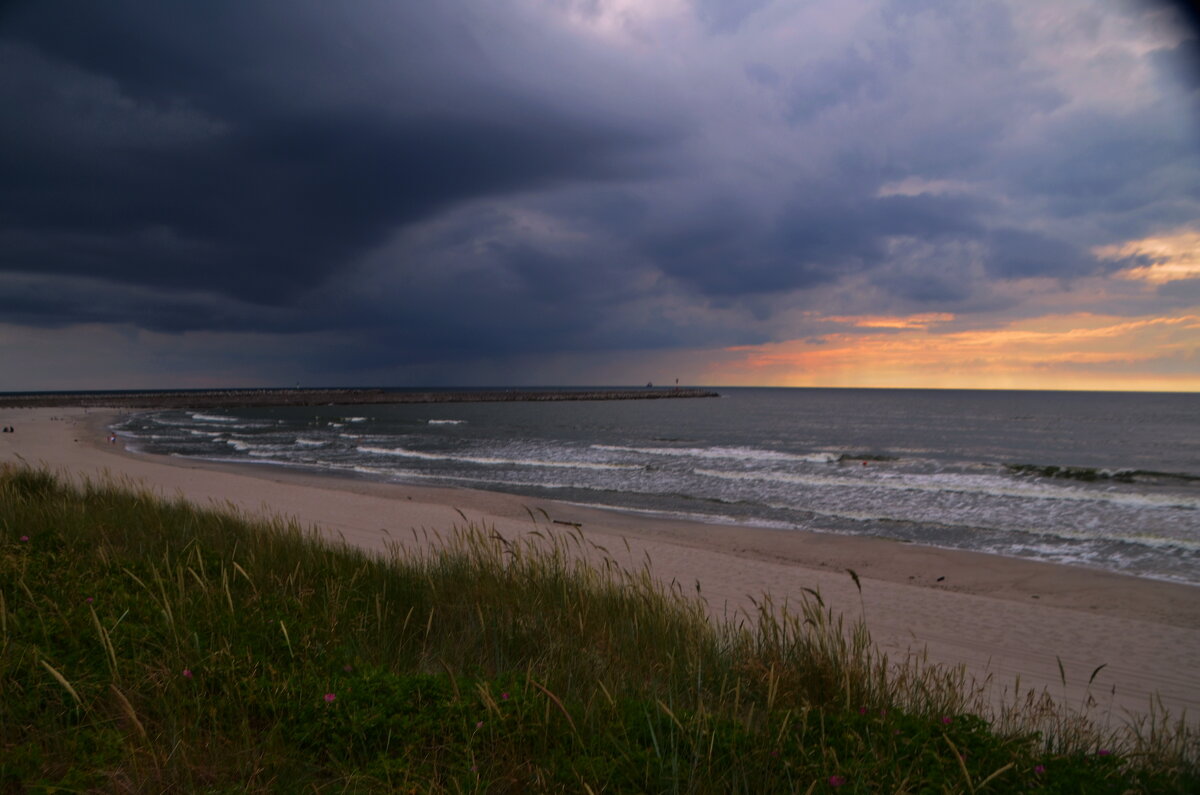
(428, 191)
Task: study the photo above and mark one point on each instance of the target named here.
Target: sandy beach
(1001, 617)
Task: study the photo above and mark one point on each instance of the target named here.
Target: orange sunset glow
(1168, 258)
(1073, 345)
(1076, 351)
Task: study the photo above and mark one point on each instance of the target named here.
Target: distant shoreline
(235, 398)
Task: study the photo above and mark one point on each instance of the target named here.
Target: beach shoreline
(1001, 617)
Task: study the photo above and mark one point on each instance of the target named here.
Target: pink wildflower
(946, 719)
(1104, 752)
(1039, 769)
(837, 781)
(187, 673)
(24, 538)
(479, 725)
(504, 696)
(347, 668)
(89, 600)
(862, 710)
(330, 698)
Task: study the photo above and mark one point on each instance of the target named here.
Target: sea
(1103, 480)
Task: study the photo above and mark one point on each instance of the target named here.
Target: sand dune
(1000, 617)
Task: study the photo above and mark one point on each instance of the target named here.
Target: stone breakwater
(232, 398)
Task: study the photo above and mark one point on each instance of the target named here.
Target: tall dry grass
(148, 645)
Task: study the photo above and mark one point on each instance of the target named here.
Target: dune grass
(150, 646)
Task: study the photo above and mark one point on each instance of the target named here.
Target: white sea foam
(303, 442)
(489, 461)
(1060, 531)
(354, 419)
(967, 484)
(740, 453)
(264, 461)
(365, 470)
(213, 418)
(411, 474)
(692, 516)
(174, 423)
(1094, 559)
(258, 449)
(446, 422)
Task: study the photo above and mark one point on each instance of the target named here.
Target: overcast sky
(835, 192)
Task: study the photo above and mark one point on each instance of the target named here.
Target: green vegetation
(151, 646)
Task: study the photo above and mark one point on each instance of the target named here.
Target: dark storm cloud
(1179, 64)
(1017, 253)
(1092, 162)
(145, 157)
(65, 301)
(726, 16)
(820, 237)
(458, 179)
(830, 82)
(270, 212)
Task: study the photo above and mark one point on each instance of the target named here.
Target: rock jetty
(200, 399)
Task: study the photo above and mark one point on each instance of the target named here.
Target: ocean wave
(489, 461)
(1091, 474)
(303, 442)
(216, 459)
(740, 453)
(1016, 533)
(213, 418)
(248, 447)
(170, 422)
(691, 516)
(412, 474)
(966, 484)
(376, 471)
(1148, 564)
(446, 422)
